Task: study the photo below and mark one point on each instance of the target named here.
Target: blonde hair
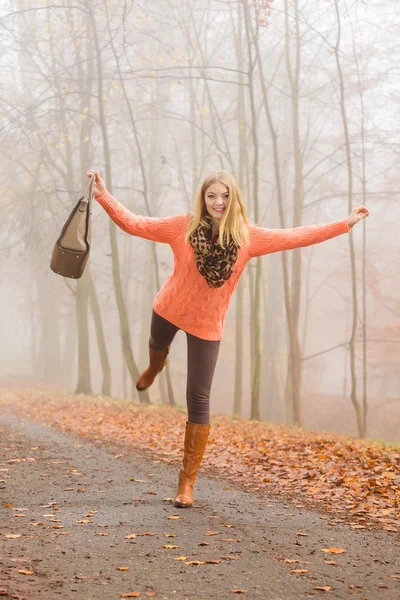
(234, 220)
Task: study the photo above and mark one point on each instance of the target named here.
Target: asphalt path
(72, 505)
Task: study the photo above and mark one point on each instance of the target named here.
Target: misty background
(298, 99)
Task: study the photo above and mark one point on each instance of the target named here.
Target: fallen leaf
(130, 595)
(170, 546)
(26, 572)
(195, 563)
(299, 571)
(101, 533)
(213, 562)
(300, 533)
(228, 557)
(330, 562)
(291, 560)
(238, 591)
(180, 558)
(321, 588)
(204, 544)
(334, 550)
(211, 533)
(170, 535)
(12, 536)
(131, 536)
(123, 568)
(150, 594)
(85, 521)
(174, 517)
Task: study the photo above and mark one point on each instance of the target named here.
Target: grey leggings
(201, 360)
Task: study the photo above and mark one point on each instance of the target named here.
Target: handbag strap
(88, 191)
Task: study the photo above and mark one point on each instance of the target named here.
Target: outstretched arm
(266, 241)
(163, 229)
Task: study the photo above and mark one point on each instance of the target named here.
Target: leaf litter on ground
(346, 475)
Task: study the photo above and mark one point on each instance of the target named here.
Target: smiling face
(216, 199)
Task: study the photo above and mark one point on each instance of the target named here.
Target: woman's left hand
(357, 214)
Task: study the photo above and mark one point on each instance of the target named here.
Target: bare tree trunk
(361, 90)
(243, 161)
(238, 393)
(69, 350)
(84, 284)
(50, 350)
(353, 371)
(123, 315)
(84, 385)
(294, 80)
(105, 363)
(255, 323)
(34, 338)
(364, 329)
(294, 364)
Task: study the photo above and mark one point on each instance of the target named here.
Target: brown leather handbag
(71, 250)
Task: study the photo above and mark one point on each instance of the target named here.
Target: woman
(211, 249)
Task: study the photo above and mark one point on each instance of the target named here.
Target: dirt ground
(72, 505)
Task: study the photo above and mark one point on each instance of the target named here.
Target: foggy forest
(297, 99)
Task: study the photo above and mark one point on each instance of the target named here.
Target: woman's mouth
(219, 210)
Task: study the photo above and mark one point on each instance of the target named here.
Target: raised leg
(162, 332)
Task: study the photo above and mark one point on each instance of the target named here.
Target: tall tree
(349, 164)
(122, 312)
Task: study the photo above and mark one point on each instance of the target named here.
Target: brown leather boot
(196, 437)
(158, 359)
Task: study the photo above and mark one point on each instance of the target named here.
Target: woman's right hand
(99, 188)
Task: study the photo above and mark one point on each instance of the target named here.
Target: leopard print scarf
(214, 263)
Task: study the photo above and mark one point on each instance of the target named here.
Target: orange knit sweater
(185, 299)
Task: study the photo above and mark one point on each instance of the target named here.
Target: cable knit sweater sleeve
(157, 229)
(265, 241)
